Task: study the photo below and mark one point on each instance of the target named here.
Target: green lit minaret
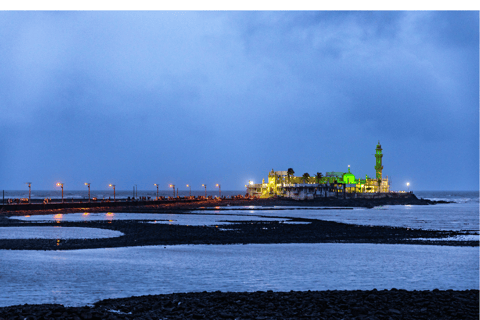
(378, 161)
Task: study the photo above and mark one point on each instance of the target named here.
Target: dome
(349, 177)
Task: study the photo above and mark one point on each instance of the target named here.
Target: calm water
(79, 277)
(56, 233)
(200, 219)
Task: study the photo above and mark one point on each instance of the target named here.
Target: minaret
(378, 160)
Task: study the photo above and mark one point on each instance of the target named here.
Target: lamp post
(190, 189)
(173, 186)
(29, 191)
(156, 184)
(219, 190)
(88, 185)
(113, 186)
(61, 185)
(204, 185)
(408, 186)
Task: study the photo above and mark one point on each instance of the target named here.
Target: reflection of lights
(58, 216)
(27, 216)
(110, 216)
(217, 207)
(86, 214)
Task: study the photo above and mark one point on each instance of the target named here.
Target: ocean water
(200, 219)
(80, 277)
(56, 233)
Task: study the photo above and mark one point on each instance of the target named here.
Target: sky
(207, 97)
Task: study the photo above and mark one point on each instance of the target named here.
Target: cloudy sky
(223, 97)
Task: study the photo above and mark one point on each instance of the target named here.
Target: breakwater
(186, 203)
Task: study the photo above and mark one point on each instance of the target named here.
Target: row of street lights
(59, 184)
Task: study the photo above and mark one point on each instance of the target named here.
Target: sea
(82, 277)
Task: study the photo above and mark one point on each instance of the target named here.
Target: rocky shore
(373, 304)
(141, 233)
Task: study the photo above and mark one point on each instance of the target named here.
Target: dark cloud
(207, 97)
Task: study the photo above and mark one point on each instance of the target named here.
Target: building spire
(378, 161)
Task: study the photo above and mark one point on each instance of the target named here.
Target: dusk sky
(223, 97)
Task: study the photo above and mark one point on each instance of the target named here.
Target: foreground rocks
(386, 304)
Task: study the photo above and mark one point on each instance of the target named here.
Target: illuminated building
(333, 184)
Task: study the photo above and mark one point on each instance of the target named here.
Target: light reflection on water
(56, 233)
(200, 219)
(79, 277)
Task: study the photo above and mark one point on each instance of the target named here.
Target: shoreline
(138, 233)
(260, 305)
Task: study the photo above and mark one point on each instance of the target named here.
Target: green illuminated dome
(349, 177)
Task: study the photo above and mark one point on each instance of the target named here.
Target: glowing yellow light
(188, 185)
(171, 186)
(110, 214)
(217, 185)
(109, 185)
(251, 182)
(86, 214)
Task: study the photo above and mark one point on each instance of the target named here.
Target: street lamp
(88, 185)
(29, 191)
(156, 184)
(190, 189)
(173, 186)
(204, 185)
(61, 185)
(112, 185)
(219, 190)
(408, 186)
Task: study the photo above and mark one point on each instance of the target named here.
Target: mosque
(333, 184)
